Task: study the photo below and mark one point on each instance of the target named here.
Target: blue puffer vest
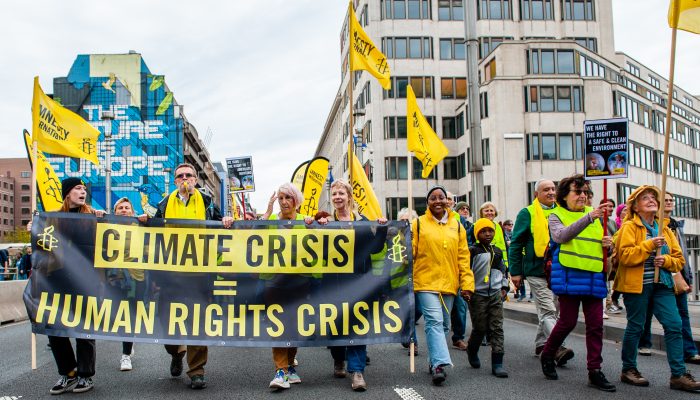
(575, 282)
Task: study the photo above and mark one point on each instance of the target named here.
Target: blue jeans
(459, 319)
(436, 313)
(356, 356)
(689, 349)
(666, 312)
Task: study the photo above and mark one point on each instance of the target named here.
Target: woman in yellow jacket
(440, 270)
(645, 278)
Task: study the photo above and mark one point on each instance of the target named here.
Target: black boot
(497, 365)
(473, 354)
(549, 368)
(597, 380)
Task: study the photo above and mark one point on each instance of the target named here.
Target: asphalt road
(244, 373)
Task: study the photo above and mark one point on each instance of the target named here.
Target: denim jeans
(689, 349)
(459, 319)
(418, 314)
(356, 356)
(666, 312)
(436, 313)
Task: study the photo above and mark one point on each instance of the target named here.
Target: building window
(450, 10)
(25, 174)
(578, 10)
(633, 110)
(542, 61)
(536, 10)
(484, 104)
(453, 127)
(485, 152)
(590, 67)
(632, 69)
(587, 42)
(453, 88)
(25, 187)
(26, 211)
(654, 81)
(407, 47)
(422, 87)
(418, 170)
(395, 168)
(642, 157)
(454, 167)
(395, 127)
(554, 146)
(494, 9)
(488, 43)
(553, 98)
(26, 199)
(452, 49)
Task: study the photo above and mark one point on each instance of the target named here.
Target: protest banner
(240, 174)
(256, 284)
(606, 148)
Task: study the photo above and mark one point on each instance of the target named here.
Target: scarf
(540, 229)
(665, 277)
(194, 209)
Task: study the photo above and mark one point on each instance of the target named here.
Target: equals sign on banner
(227, 288)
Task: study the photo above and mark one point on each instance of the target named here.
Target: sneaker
(292, 375)
(125, 363)
(605, 315)
(198, 382)
(459, 344)
(358, 382)
(633, 377)
(280, 381)
(685, 382)
(519, 300)
(176, 364)
(613, 309)
(65, 384)
(339, 369)
(84, 384)
(563, 355)
(597, 380)
(617, 304)
(295, 362)
(549, 368)
(439, 375)
(693, 359)
(644, 351)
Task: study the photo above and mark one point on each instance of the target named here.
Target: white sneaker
(605, 316)
(280, 381)
(125, 363)
(643, 351)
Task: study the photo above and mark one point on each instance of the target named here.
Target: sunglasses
(581, 191)
(185, 175)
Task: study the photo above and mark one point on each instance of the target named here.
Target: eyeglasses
(581, 191)
(185, 175)
(669, 201)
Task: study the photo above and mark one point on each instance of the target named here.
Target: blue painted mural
(146, 134)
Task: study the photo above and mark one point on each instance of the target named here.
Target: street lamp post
(108, 116)
(166, 171)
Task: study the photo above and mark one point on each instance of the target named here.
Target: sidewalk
(613, 328)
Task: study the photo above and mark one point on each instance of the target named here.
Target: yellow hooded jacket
(440, 256)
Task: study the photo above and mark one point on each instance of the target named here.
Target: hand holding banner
(60, 131)
(422, 140)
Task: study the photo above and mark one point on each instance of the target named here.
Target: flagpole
(412, 352)
(35, 151)
(351, 128)
(667, 136)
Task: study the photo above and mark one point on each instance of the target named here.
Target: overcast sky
(260, 74)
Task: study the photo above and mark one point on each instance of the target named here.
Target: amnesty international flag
(362, 192)
(299, 174)
(58, 130)
(684, 15)
(314, 179)
(363, 54)
(422, 140)
(48, 184)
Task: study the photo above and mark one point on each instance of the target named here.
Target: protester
(577, 277)
(403, 215)
(76, 369)
(611, 224)
(131, 283)
(356, 356)
(440, 269)
(528, 243)
(458, 316)
(614, 306)
(690, 351)
(507, 231)
(285, 288)
(188, 202)
(25, 264)
(645, 279)
(486, 305)
(4, 265)
(488, 210)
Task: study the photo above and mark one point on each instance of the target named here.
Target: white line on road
(408, 394)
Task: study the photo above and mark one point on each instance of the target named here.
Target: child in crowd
(486, 305)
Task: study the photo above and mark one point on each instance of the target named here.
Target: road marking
(408, 394)
(10, 397)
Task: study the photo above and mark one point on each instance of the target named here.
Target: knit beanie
(434, 188)
(482, 223)
(68, 184)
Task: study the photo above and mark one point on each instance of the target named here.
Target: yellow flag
(48, 184)
(362, 192)
(314, 180)
(363, 54)
(299, 174)
(684, 15)
(236, 209)
(421, 139)
(60, 131)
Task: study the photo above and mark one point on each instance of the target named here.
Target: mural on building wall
(146, 133)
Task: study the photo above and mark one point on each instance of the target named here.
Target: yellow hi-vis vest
(585, 251)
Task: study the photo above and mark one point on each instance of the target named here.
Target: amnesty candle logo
(397, 250)
(47, 241)
(60, 131)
